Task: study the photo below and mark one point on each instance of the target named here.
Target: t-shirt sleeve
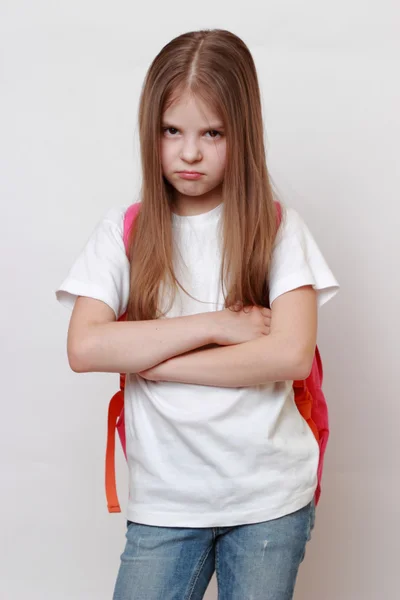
(101, 270)
(297, 261)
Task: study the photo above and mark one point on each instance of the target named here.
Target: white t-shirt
(205, 456)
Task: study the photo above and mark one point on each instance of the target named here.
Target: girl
(222, 466)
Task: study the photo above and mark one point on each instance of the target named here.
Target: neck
(190, 206)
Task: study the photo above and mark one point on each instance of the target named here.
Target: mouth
(189, 174)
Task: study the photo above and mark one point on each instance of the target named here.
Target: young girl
(222, 466)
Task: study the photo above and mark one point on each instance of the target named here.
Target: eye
(214, 133)
(170, 130)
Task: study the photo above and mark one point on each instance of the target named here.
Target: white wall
(71, 73)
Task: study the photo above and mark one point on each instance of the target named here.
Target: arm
(99, 343)
(286, 354)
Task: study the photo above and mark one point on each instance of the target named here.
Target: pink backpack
(308, 395)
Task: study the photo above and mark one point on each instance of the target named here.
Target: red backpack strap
(130, 215)
(115, 408)
(304, 403)
(116, 421)
(278, 208)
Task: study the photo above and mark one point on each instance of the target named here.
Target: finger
(247, 308)
(266, 312)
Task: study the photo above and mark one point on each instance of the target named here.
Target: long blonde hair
(217, 66)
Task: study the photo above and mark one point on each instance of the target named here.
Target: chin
(193, 190)
(193, 193)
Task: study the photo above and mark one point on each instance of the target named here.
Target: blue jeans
(258, 561)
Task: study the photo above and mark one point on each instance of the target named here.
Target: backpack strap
(116, 418)
(114, 410)
(130, 215)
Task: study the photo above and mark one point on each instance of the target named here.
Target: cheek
(220, 158)
(165, 153)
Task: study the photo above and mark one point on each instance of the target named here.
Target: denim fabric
(252, 562)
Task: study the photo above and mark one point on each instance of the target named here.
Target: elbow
(76, 362)
(77, 357)
(302, 364)
(302, 372)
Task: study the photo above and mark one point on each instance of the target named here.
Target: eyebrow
(211, 127)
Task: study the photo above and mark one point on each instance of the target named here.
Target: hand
(238, 326)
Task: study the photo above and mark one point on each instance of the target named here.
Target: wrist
(211, 328)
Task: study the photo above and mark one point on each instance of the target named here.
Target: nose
(190, 151)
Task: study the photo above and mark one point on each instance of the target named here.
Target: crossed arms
(250, 347)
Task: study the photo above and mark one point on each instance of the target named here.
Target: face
(193, 153)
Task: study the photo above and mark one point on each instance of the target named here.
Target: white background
(71, 74)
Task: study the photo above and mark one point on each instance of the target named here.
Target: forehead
(188, 108)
